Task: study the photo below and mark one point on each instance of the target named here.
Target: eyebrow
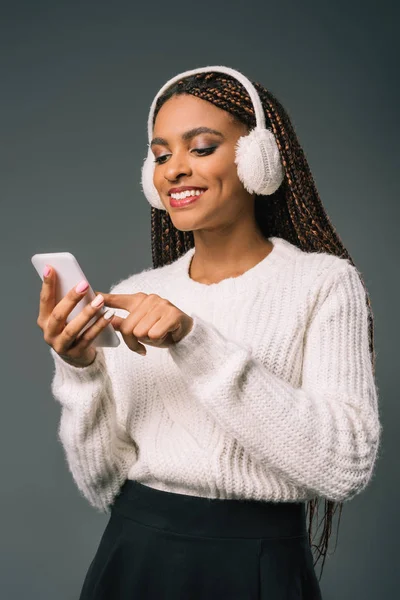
(188, 135)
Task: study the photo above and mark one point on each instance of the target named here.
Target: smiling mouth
(179, 201)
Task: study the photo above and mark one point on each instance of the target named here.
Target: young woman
(255, 397)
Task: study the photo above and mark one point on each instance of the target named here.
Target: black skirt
(163, 546)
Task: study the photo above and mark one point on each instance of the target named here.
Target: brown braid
(294, 212)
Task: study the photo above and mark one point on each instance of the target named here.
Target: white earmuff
(257, 158)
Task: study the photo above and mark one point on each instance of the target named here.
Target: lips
(185, 201)
(185, 188)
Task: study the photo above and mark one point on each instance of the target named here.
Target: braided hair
(294, 212)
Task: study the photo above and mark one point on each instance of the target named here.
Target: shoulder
(314, 259)
(336, 286)
(319, 276)
(316, 267)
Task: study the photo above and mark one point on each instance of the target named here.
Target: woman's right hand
(62, 336)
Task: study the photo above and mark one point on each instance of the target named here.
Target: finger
(116, 321)
(128, 302)
(47, 297)
(130, 340)
(57, 319)
(145, 314)
(145, 326)
(169, 324)
(72, 331)
(142, 325)
(91, 333)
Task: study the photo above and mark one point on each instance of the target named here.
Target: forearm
(98, 451)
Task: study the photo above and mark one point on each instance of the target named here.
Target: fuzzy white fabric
(271, 396)
(259, 162)
(148, 187)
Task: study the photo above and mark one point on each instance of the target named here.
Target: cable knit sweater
(271, 396)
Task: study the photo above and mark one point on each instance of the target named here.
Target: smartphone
(69, 274)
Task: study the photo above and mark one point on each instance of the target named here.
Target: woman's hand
(152, 320)
(64, 337)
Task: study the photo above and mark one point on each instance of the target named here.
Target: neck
(218, 256)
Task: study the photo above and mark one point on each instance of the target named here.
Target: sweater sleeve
(323, 435)
(99, 453)
(98, 450)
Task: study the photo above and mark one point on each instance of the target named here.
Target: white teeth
(186, 194)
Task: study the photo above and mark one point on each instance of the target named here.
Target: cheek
(220, 169)
(156, 178)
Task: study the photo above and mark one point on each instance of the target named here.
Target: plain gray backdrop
(77, 81)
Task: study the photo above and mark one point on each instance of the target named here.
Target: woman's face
(190, 157)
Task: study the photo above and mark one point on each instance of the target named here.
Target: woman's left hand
(152, 320)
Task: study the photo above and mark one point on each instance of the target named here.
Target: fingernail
(46, 271)
(142, 352)
(82, 286)
(97, 301)
(109, 314)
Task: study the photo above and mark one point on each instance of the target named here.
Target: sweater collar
(282, 249)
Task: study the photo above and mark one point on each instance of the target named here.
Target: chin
(183, 229)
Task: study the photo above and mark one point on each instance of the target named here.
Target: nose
(176, 167)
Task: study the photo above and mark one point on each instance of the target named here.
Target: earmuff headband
(251, 90)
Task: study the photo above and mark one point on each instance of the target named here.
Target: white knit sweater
(271, 396)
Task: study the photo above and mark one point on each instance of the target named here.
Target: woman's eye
(199, 151)
(204, 151)
(160, 160)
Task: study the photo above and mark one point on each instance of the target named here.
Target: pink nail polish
(82, 286)
(98, 301)
(46, 271)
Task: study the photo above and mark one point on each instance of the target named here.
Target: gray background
(77, 80)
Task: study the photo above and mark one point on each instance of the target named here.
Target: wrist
(80, 364)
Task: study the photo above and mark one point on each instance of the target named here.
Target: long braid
(294, 212)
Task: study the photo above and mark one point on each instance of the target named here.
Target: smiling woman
(256, 400)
